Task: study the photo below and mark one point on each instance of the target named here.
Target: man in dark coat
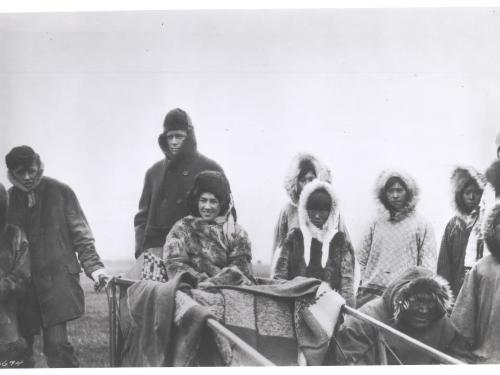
(60, 243)
(14, 278)
(163, 199)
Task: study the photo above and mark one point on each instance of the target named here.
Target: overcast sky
(363, 90)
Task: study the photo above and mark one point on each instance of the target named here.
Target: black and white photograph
(231, 186)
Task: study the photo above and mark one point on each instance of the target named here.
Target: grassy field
(90, 334)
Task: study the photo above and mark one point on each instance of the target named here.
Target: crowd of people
(445, 299)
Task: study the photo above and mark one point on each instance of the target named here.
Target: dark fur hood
(292, 175)
(415, 280)
(489, 233)
(460, 178)
(413, 192)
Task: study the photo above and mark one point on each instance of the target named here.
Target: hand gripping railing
(434, 353)
(212, 323)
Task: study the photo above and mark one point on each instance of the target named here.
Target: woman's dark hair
(209, 182)
(391, 181)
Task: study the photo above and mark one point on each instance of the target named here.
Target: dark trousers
(56, 347)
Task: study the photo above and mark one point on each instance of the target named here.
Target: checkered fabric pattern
(390, 248)
(153, 268)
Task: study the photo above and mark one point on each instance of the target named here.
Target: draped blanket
(289, 322)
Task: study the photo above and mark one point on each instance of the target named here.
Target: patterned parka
(395, 241)
(215, 252)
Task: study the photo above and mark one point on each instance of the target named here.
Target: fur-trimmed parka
(288, 218)
(358, 339)
(477, 310)
(215, 252)
(456, 235)
(395, 241)
(333, 248)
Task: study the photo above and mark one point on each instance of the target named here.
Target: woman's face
(396, 196)
(305, 179)
(208, 206)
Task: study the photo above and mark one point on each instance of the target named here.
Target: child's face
(471, 196)
(397, 196)
(318, 217)
(304, 180)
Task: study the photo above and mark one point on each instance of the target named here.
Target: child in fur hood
(416, 303)
(320, 247)
(477, 311)
(467, 188)
(397, 239)
(303, 169)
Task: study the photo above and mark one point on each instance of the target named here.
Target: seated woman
(209, 243)
(319, 247)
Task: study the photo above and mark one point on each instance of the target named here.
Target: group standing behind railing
(186, 215)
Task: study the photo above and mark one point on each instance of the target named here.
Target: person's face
(175, 140)
(396, 196)
(305, 179)
(318, 217)
(421, 311)
(208, 206)
(26, 175)
(471, 196)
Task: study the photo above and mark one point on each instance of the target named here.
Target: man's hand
(101, 283)
(101, 279)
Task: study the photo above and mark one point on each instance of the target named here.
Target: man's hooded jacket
(358, 340)
(456, 235)
(163, 199)
(331, 260)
